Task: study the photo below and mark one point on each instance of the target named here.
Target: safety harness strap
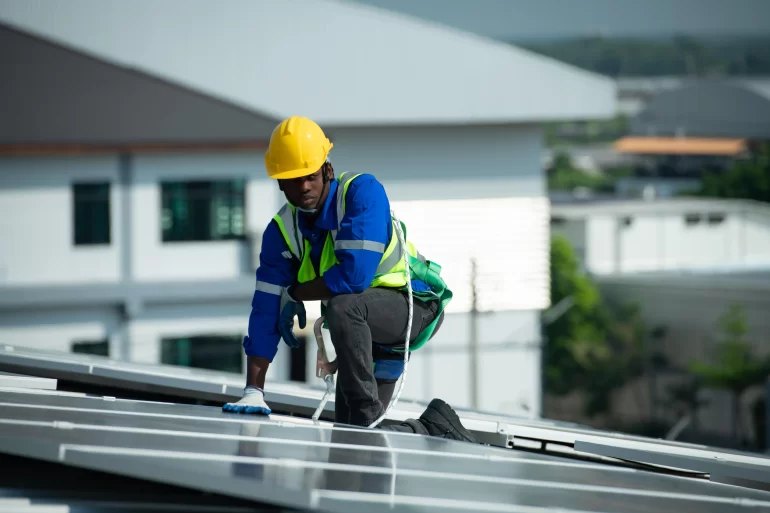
(429, 273)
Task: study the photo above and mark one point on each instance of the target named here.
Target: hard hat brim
(294, 173)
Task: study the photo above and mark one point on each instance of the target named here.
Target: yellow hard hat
(298, 147)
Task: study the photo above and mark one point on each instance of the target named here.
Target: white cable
(402, 378)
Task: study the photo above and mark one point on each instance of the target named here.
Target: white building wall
(57, 331)
(601, 251)
(667, 242)
(155, 260)
(445, 162)
(509, 363)
(757, 238)
(36, 228)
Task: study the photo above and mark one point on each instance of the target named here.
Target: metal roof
(657, 207)
(707, 108)
(291, 461)
(750, 282)
(95, 102)
(337, 62)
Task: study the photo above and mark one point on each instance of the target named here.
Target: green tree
(746, 179)
(736, 367)
(621, 361)
(685, 399)
(590, 347)
(679, 55)
(565, 176)
(578, 332)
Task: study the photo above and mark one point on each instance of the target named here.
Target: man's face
(304, 192)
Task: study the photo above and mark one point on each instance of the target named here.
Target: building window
(691, 219)
(100, 348)
(558, 221)
(214, 352)
(716, 218)
(91, 213)
(202, 210)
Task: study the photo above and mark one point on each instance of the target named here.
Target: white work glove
(253, 401)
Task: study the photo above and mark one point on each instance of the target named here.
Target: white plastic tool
(320, 369)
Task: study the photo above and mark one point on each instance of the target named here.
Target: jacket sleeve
(275, 272)
(362, 239)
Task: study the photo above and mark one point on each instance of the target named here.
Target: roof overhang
(680, 146)
(345, 64)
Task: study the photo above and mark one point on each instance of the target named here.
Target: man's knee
(340, 307)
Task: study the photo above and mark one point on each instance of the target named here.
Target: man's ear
(329, 172)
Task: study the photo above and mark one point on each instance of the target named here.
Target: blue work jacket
(367, 217)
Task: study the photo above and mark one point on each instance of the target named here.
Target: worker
(335, 241)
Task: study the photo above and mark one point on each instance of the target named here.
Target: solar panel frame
(724, 464)
(60, 439)
(201, 384)
(11, 380)
(502, 431)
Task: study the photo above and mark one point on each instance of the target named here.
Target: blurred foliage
(591, 347)
(564, 175)
(746, 179)
(685, 398)
(676, 56)
(559, 133)
(736, 367)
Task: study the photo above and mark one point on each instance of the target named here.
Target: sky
(512, 20)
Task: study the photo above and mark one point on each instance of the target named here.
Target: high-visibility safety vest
(391, 271)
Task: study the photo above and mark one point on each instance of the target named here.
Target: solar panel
(499, 430)
(163, 379)
(198, 384)
(722, 464)
(293, 462)
(10, 380)
(221, 386)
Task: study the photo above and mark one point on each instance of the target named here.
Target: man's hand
(289, 308)
(327, 367)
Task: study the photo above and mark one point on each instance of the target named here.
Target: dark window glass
(101, 348)
(215, 352)
(691, 219)
(202, 210)
(716, 218)
(91, 213)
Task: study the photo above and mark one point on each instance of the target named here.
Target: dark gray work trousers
(356, 321)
